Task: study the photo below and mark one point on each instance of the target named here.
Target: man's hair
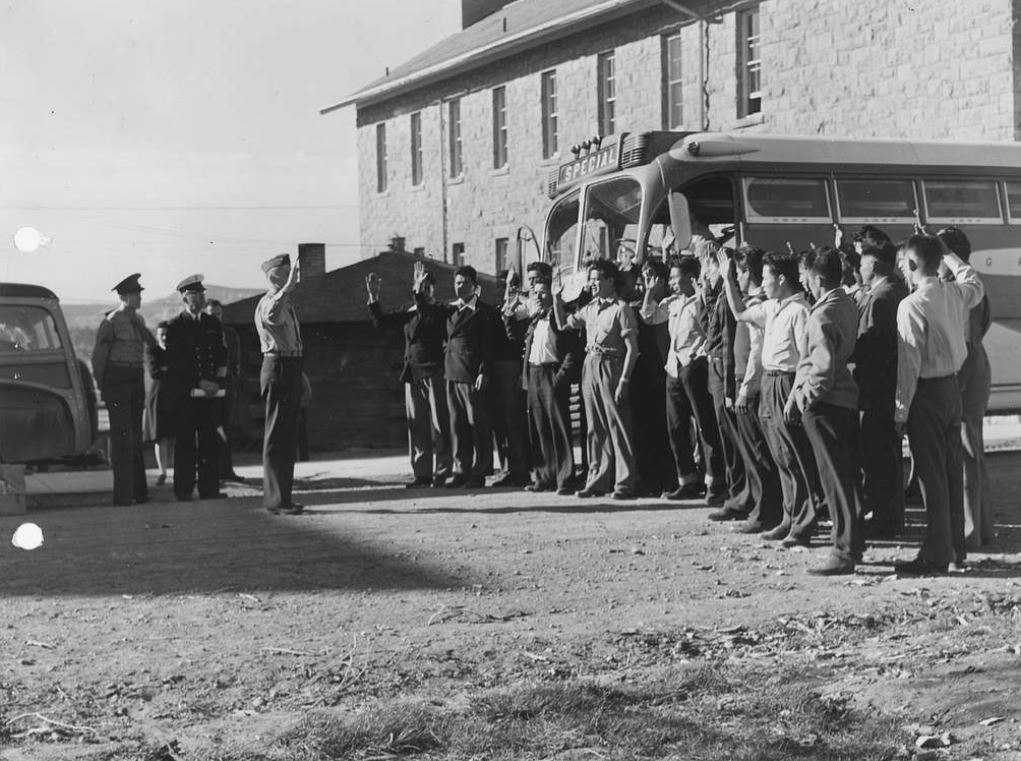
(606, 268)
(214, 303)
(870, 236)
(429, 278)
(543, 270)
(956, 241)
(928, 249)
(656, 267)
(467, 271)
(850, 262)
(783, 263)
(688, 265)
(806, 258)
(828, 264)
(749, 259)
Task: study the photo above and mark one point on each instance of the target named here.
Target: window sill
(552, 161)
(383, 193)
(750, 121)
(459, 180)
(419, 188)
(504, 170)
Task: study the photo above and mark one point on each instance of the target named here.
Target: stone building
(455, 145)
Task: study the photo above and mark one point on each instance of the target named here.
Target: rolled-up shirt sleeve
(626, 320)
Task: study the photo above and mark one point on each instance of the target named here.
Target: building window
(549, 114)
(457, 255)
(454, 129)
(499, 127)
(502, 261)
(605, 75)
(673, 116)
(749, 72)
(416, 148)
(381, 157)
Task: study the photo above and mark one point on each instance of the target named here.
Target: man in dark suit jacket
(551, 363)
(425, 396)
(474, 330)
(197, 368)
(875, 372)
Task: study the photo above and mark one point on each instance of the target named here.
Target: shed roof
(519, 26)
(339, 295)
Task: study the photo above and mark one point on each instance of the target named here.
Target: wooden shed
(357, 399)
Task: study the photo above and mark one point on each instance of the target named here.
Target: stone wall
(865, 68)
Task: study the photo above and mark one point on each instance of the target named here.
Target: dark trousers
(882, 469)
(694, 378)
(225, 450)
(833, 433)
(738, 495)
(759, 468)
(975, 379)
(791, 452)
(611, 452)
(510, 425)
(428, 427)
(678, 421)
(470, 430)
(280, 381)
(124, 395)
(550, 430)
(934, 434)
(195, 447)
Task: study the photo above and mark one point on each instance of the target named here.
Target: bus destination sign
(605, 159)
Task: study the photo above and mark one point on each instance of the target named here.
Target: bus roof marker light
(709, 145)
(694, 147)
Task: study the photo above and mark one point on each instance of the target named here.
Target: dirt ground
(212, 624)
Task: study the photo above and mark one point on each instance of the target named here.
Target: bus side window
(876, 200)
(962, 201)
(786, 199)
(1014, 201)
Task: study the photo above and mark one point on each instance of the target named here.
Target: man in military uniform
(280, 382)
(197, 361)
(117, 363)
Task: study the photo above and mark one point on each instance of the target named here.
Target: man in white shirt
(931, 349)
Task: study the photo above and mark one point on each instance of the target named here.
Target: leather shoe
(833, 566)
(419, 481)
(510, 480)
(688, 491)
(537, 487)
(795, 541)
(565, 491)
(587, 493)
(748, 527)
(780, 532)
(919, 567)
(623, 494)
(456, 481)
(475, 482)
(726, 514)
(438, 481)
(715, 499)
(292, 509)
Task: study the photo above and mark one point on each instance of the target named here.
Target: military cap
(129, 284)
(277, 261)
(191, 283)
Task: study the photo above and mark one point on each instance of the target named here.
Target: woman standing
(158, 416)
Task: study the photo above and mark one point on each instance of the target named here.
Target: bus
(47, 397)
(657, 189)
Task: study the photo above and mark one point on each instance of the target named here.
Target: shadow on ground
(199, 547)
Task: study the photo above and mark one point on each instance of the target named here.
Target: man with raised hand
(280, 382)
(931, 349)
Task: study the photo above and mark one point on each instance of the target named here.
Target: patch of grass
(707, 712)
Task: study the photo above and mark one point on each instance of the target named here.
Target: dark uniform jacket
(474, 337)
(569, 348)
(424, 334)
(195, 351)
(875, 352)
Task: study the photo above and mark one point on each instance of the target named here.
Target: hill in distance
(84, 315)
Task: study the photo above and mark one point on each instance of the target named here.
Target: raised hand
(510, 286)
(419, 275)
(372, 285)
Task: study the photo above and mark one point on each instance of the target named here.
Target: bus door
(782, 210)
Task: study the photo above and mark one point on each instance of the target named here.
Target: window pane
(380, 158)
(24, 328)
(787, 198)
(416, 148)
(872, 199)
(954, 199)
(456, 166)
(1014, 199)
(672, 84)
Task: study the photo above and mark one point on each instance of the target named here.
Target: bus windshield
(612, 212)
(561, 228)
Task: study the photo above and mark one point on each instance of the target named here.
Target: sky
(171, 137)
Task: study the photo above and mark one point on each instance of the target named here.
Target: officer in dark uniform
(117, 362)
(197, 360)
